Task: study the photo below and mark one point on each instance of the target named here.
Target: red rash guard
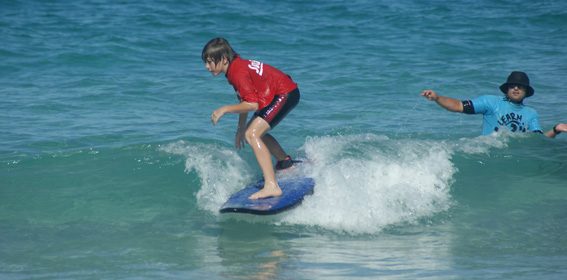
(256, 82)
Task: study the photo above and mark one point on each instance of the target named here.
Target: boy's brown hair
(216, 48)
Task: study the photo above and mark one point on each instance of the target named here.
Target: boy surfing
(261, 89)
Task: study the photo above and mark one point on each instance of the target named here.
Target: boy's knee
(250, 135)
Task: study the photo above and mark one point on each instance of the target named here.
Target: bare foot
(267, 192)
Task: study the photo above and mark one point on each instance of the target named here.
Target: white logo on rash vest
(257, 66)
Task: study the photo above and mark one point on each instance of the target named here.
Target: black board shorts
(278, 108)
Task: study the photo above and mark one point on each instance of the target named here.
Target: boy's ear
(224, 60)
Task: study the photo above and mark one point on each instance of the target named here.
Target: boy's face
(216, 68)
(516, 93)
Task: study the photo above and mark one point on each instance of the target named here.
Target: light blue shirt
(498, 112)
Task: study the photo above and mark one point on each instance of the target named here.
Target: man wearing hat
(509, 112)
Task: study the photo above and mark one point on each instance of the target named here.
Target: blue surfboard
(293, 191)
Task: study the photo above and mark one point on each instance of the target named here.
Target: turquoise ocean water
(111, 169)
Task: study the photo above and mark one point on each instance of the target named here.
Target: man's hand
(429, 94)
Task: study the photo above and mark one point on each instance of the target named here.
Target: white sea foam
(367, 182)
(221, 171)
(363, 182)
